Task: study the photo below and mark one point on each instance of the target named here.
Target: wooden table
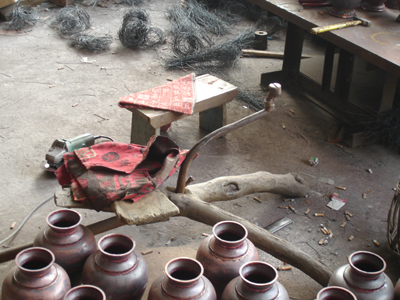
(377, 47)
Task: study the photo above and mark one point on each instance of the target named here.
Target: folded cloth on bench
(178, 95)
(111, 171)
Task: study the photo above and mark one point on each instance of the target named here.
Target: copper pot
(183, 279)
(364, 276)
(36, 277)
(344, 8)
(398, 5)
(374, 5)
(335, 292)
(257, 280)
(224, 252)
(87, 292)
(116, 268)
(71, 242)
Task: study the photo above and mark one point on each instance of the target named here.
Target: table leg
(388, 93)
(213, 118)
(291, 59)
(141, 130)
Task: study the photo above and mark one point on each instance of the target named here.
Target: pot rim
(88, 286)
(116, 236)
(255, 265)
(237, 226)
(189, 260)
(377, 259)
(44, 251)
(71, 212)
(336, 288)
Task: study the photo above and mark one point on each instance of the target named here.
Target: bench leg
(141, 130)
(213, 118)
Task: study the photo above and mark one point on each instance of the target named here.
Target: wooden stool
(212, 95)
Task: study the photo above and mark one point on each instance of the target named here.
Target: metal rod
(274, 91)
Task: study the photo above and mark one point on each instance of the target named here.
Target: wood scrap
(266, 54)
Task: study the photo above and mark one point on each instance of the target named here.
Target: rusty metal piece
(348, 213)
(257, 199)
(189, 180)
(275, 91)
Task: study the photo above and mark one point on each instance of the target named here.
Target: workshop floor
(47, 92)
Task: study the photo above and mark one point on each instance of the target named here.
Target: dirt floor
(47, 92)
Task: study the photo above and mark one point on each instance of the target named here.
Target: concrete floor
(48, 93)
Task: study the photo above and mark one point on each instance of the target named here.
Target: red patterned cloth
(178, 95)
(110, 171)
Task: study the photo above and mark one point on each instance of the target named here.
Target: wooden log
(266, 54)
(193, 208)
(233, 187)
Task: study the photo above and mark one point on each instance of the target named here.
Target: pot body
(374, 5)
(224, 252)
(398, 5)
(335, 292)
(391, 4)
(36, 277)
(397, 290)
(116, 268)
(257, 281)
(183, 279)
(364, 276)
(344, 8)
(87, 292)
(71, 242)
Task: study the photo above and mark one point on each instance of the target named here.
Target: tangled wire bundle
(250, 99)
(90, 42)
(136, 31)
(187, 36)
(133, 2)
(215, 58)
(21, 17)
(71, 20)
(198, 14)
(387, 126)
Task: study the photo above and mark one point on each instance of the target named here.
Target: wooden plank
(154, 207)
(63, 198)
(267, 54)
(4, 3)
(211, 92)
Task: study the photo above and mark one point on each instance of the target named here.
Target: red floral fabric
(111, 171)
(178, 95)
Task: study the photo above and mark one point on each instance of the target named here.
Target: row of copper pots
(345, 8)
(226, 267)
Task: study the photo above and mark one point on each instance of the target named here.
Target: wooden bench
(212, 95)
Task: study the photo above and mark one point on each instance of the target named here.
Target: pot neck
(366, 264)
(229, 234)
(64, 221)
(184, 272)
(116, 247)
(35, 261)
(258, 276)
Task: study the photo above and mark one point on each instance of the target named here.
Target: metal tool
(54, 157)
(274, 227)
(356, 21)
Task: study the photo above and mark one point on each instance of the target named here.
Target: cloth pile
(110, 171)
